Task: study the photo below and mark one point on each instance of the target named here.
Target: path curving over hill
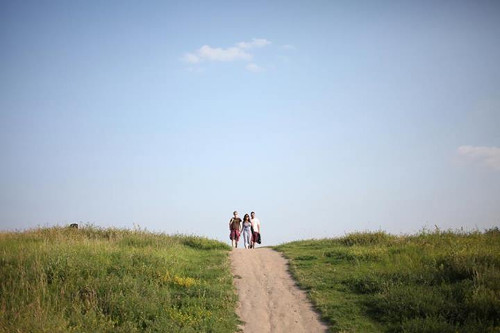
(269, 300)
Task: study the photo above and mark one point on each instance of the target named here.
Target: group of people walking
(249, 227)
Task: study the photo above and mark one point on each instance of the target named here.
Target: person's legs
(237, 237)
(247, 238)
(233, 238)
(254, 239)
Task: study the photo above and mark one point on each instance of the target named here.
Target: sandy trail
(269, 300)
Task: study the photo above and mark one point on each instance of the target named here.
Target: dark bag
(258, 239)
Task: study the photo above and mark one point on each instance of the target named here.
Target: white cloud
(288, 47)
(219, 54)
(240, 51)
(256, 42)
(209, 53)
(489, 156)
(254, 68)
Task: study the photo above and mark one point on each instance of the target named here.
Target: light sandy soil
(269, 300)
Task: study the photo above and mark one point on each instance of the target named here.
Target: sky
(323, 117)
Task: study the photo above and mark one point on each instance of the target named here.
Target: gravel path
(269, 300)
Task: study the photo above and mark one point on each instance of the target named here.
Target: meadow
(109, 280)
(375, 282)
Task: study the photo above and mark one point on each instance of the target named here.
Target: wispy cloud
(208, 53)
(240, 51)
(256, 42)
(488, 156)
(288, 47)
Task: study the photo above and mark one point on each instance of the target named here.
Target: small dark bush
(493, 232)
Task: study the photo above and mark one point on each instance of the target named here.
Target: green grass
(376, 282)
(109, 280)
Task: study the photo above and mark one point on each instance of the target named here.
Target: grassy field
(375, 282)
(108, 280)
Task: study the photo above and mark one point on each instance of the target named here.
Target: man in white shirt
(256, 229)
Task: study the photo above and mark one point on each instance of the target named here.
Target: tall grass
(429, 282)
(110, 280)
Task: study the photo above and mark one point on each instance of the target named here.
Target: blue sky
(324, 117)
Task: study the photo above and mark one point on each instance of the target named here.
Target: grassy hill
(376, 282)
(109, 280)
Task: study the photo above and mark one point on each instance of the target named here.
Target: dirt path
(269, 300)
